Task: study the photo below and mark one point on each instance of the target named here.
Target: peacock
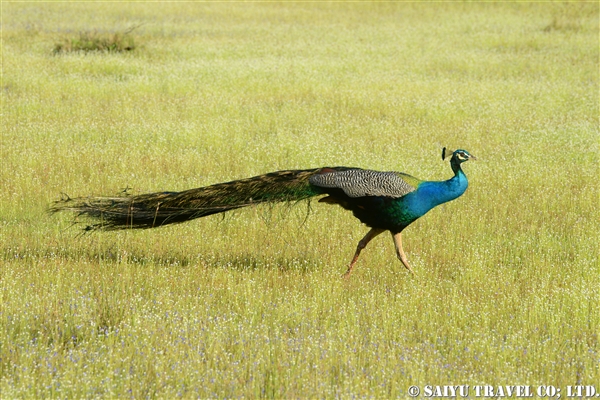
(384, 201)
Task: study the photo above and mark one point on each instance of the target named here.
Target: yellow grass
(252, 305)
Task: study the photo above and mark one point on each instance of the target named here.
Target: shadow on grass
(250, 262)
(237, 262)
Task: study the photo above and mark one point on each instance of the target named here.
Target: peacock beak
(472, 157)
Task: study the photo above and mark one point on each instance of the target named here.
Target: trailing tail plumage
(162, 208)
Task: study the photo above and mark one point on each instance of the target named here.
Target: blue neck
(430, 194)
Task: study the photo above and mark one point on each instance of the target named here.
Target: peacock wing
(361, 183)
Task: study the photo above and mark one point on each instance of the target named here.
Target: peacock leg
(400, 253)
(361, 245)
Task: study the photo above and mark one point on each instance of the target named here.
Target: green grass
(95, 41)
(252, 305)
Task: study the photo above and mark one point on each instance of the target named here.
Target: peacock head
(458, 156)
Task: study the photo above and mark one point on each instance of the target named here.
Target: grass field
(252, 305)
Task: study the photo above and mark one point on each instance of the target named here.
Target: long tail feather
(162, 208)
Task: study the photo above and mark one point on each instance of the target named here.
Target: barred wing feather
(362, 183)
